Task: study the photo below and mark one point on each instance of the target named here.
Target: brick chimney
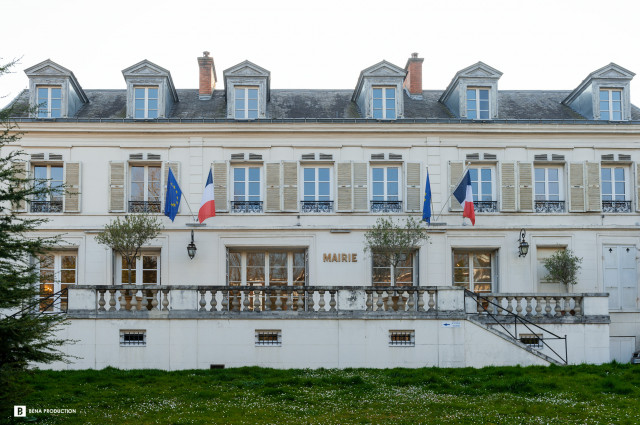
(207, 76)
(413, 80)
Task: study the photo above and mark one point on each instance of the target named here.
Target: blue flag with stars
(426, 208)
(172, 201)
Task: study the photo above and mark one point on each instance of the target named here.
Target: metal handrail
(56, 297)
(524, 322)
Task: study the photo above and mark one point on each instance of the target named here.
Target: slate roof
(330, 104)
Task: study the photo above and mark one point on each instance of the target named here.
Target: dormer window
(478, 103)
(246, 102)
(49, 102)
(384, 103)
(611, 104)
(146, 102)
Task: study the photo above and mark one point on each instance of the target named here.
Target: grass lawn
(499, 395)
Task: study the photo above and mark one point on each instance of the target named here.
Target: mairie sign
(340, 258)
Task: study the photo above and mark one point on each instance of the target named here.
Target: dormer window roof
(54, 90)
(378, 92)
(473, 92)
(603, 95)
(247, 89)
(150, 91)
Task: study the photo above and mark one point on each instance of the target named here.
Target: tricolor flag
(208, 204)
(464, 195)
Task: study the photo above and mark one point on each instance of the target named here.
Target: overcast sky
(546, 44)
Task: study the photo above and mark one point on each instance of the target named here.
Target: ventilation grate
(624, 157)
(490, 156)
(255, 157)
(541, 157)
(473, 156)
(237, 156)
(377, 156)
(395, 156)
(555, 157)
(308, 156)
(326, 157)
(153, 157)
(37, 157)
(55, 157)
(136, 156)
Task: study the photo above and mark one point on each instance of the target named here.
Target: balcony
(616, 206)
(46, 206)
(386, 206)
(549, 206)
(485, 206)
(246, 206)
(316, 206)
(144, 207)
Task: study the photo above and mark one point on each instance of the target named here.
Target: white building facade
(281, 277)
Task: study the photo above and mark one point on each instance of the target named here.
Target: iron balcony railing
(386, 206)
(246, 206)
(46, 206)
(485, 206)
(549, 206)
(616, 206)
(144, 206)
(316, 206)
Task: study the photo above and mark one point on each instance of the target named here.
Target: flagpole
(189, 206)
(450, 194)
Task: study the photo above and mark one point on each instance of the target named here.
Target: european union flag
(172, 201)
(426, 208)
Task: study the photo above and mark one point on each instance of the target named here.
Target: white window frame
(386, 101)
(316, 182)
(613, 194)
(546, 182)
(471, 253)
(145, 182)
(245, 110)
(476, 108)
(146, 98)
(246, 183)
(138, 269)
(57, 278)
(385, 181)
(49, 196)
(267, 269)
(48, 112)
(610, 102)
(477, 194)
(392, 271)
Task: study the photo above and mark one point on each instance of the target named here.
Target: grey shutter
(455, 174)
(525, 186)
(21, 171)
(508, 186)
(344, 187)
(290, 186)
(360, 187)
(175, 168)
(576, 187)
(413, 194)
(637, 191)
(220, 176)
(273, 186)
(594, 198)
(72, 190)
(117, 186)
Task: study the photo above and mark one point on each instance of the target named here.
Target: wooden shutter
(21, 172)
(413, 194)
(637, 191)
(290, 186)
(344, 187)
(594, 198)
(175, 168)
(117, 186)
(576, 187)
(508, 186)
(72, 191)
(220, 176)
(360, 187)
(273, 186)
(455, 174)
(525, 186)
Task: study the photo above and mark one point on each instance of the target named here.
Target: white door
(621, 348)
(620, 279)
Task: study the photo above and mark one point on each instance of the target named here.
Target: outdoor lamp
(523, 246)
(191, 248)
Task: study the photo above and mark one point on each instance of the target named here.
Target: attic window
(49, 101)
(478, 103)
(384, 103)
(146, 102)
(246, 102)
(611, 104)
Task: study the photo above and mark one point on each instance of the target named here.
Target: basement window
(271, 338)
(402, 338)
(532, 340)
(130, 338)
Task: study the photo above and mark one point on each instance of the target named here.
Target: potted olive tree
(563, 267)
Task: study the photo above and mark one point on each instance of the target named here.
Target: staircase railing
(35, 307)
(484, 303)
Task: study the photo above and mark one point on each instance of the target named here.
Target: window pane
(309, 174)
(309, 188)
(471, 94)
(149, 262)
(323, 189)
(382, 276)
(137, 174)
(482, 260)
(253, 93)
(137, 191)
(619, 173)
(254, 174)
(461, 260)
(380, 260)
(252, 113)
(539, 173)
(235, 259)
(616, 116)
(606, 173)
(378, 189)
(615, 95)
(484, 95)
(139, 93)
(392, 174)
(604, 95)
(486, 188)
(238, 174)
(604, 115)
(471, 114)
(606, 187)
(150, 276)
(152, 105)
(378, 174)
(553, 174)
(377, 113)
(152, 93)
(392, 189)
(56, 173)
(323, 174)
(69, 262)
(391, 113)
(619, 188)
(473, 174)
(254, 189)
(238, 189)
(154, 174)
(239, 93)
(377, 93)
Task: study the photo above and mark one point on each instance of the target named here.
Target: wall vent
(153, 157)
(136, 156)
(325, 157)
(541, 157)
(395, 156)
(624, 157)
(555, 157)
(255, 157)
(38, 157)
(490, 156)
(607, 157)
(55, 157)
(473, 156)
(308, 156)
(377, 156)
(237, 156)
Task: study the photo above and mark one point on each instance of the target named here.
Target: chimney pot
(413, 55)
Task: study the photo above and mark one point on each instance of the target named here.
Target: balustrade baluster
(567, 306)
(547, 306)
(332, 301)
(369, 299)
(577, 307)
(528, 309)
(432, 300)
(389, 306)
(214, 302)
(289, 302)
(256, 300)
(538, 306)
(235, 305)
(411, 302)
(310, 303)
(300, 299)
(112, 300)
(519, 306)
(479, 307)
(321, 301)
(134, 299)
(143, 300)
(379, 303)
(509, 305)
(154, 299)
(557, 307)
(203, 302)
(245, 294)
(225, 300)
(101, 301)
(278, 300)
(420, 299)
(165, 299)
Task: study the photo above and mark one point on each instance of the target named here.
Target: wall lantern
(191, 248)
(523, 246)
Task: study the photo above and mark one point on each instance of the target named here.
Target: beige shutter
(220, 176)
(72, 190)
(413, 194)
(175, 167)
(273, 186)
(637, 191)
(117, 186)
(20, 168)
(525, 186)
(594, 198)
(290, 186)
(455, 174)
(576, 187)
(360, 187)
(344, 187)
(508, 186)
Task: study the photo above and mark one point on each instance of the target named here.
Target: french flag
(464, 195)
(208, 204)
